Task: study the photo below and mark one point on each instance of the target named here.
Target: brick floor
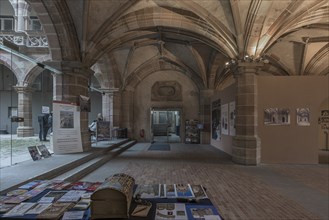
(238, 192)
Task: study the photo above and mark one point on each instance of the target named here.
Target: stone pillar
(246, 143)
(127, 117)
(21, 11)
(68, 86)
(205, 115)
(107, 107)
(117, 109)
(24, 108)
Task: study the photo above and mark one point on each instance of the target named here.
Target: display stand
(192, 133)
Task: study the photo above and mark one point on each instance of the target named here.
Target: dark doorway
(165, 125)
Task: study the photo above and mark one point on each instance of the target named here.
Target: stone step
(96, 158)
(84, 169)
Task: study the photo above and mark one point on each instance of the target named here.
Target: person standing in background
(43, 126)
(50, 122)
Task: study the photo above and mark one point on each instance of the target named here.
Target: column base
(24, 131)
(246, 150)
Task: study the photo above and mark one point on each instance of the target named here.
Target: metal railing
(28, 39)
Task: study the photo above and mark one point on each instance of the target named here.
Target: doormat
(160, 146)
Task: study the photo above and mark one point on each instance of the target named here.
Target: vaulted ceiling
(124, 41)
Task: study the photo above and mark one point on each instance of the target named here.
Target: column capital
(241, 67)
(23, 89)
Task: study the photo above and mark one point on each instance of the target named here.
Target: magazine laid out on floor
(199, 192)
(34, 153)
(199, 212)
(20, 209)
(52, 196)
(54, 211)
(188, 191)
(71, 196)
(148, 191)
(142, 210)
(38, 208)
(170, 191)
(44, 151)
(30, 185)
(167, 211)
(69, 215)
(184, 191)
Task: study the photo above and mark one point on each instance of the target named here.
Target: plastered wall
(142, 102)
(291, 143)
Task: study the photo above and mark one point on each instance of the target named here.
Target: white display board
(224, 119)
(66, 128)
(232, 118)
(45, 109)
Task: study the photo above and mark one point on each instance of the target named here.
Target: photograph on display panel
(224, 119)
(66, 119)
(216, 116)
(232, 114)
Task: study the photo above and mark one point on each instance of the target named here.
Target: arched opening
(8, 97)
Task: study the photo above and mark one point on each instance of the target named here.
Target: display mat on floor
(156, 201)
(160, 146)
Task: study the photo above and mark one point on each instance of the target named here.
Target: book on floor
(141, 210)
(147, 191)
(52, 196)
(30, 185)
(34, 153)
(44, 151)
(54, 211)
(167, 211)
(20, 209)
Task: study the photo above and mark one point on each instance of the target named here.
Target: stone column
(111, 107)
(127, 113)
(107, 107)
(117, 109)
(68, 86)
(205, 115)
(21, 11)
(246, 143)
(24, 108)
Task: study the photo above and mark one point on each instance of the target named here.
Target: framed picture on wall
(276, 116)
(303, 116)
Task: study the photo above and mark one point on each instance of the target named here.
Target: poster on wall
(45, 109)
(103, 130)
(303, 116)
(215, 118)
(66, 127)
(324, 120)
(232, 118)
(224, 119)
(277, 116)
